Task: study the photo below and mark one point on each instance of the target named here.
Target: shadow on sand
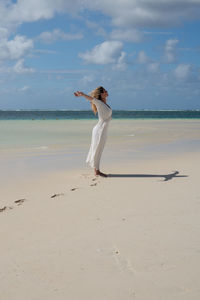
(166, 177)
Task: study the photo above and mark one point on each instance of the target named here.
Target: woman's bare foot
(97, 172)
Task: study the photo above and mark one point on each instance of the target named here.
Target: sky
(146, 53)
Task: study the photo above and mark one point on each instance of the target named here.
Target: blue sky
(145, 53)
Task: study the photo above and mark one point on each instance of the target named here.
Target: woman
(98, 99)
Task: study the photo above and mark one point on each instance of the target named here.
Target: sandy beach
(67, 234)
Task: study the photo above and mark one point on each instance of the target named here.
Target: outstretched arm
(81, 94)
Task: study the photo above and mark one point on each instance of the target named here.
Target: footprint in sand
(95, 181)
(20, 201)
(3, 208)
(62, 194)
(73, 189)
(57, 195)
(93, 184)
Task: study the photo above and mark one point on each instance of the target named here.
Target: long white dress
(99, 134)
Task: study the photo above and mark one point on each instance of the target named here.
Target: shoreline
(48, 148)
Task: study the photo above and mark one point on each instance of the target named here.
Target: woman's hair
(96, 94)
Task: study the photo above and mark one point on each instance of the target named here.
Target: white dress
(99, 133)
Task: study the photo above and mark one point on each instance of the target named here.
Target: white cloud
(87, 79)
(14, 14)
(15, 48)
(20, 68)
(182, 71)
(150, 65)
(146, 13)
(129, 13)
(128, 35)
(121, 62)
(153, 67)
(24, 88)
(170, 53)
(57, 34)
(142, 58)
(3, 33)
(109, 52)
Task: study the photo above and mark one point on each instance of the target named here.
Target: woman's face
(104, 94)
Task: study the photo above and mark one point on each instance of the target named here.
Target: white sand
(133, 235)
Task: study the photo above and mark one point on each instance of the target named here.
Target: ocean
(117, 114)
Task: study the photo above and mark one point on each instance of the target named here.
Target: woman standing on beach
(98, 99)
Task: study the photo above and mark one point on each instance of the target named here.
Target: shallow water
(28, 146)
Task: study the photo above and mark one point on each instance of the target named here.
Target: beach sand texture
(66, 234)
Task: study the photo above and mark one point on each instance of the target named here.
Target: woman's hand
(79, 94)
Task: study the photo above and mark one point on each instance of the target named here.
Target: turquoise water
(117, 114)
(40, 134)
(27, 145)
(69, 135)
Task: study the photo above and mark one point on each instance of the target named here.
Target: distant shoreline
(88, 114)
(87, 110)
